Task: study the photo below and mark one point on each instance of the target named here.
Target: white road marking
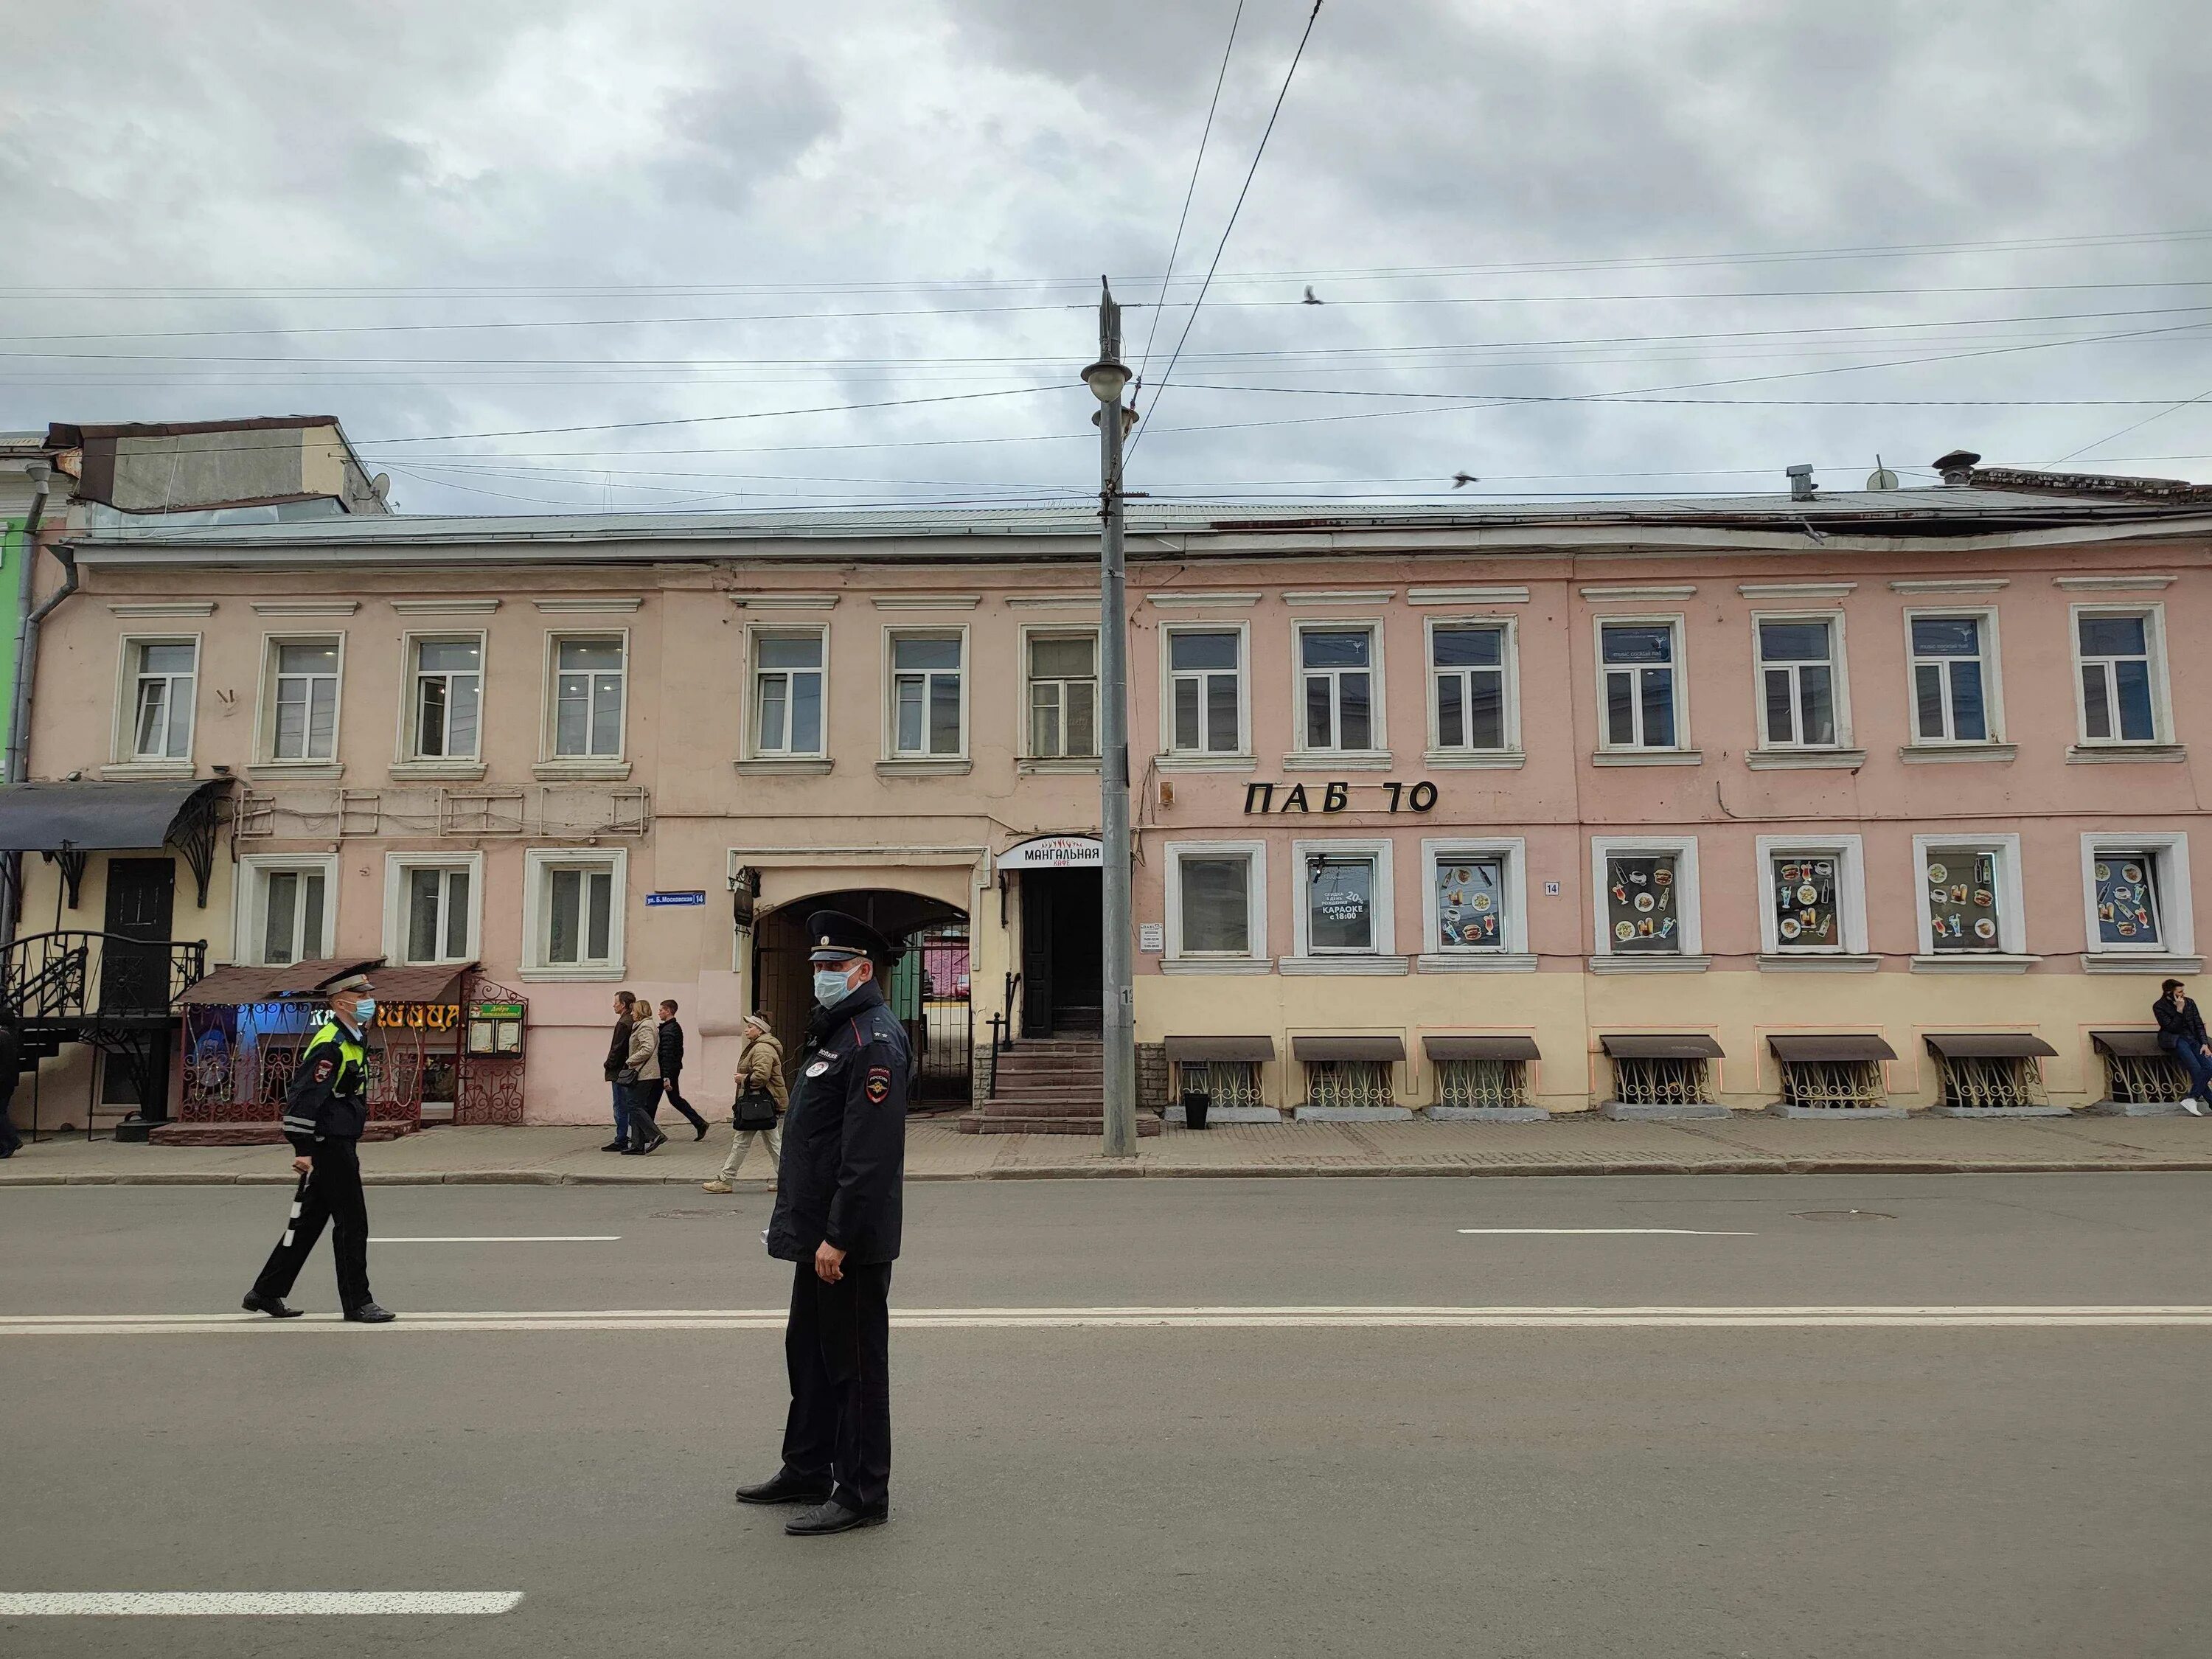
(1693, 1232)
(1046, 1319)
(260, 1604)
(498, 1238)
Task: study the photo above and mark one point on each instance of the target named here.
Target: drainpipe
(26, 657)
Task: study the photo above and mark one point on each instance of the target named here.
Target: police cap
(833, 936)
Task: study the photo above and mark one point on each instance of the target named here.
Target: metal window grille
(1347, 1082)
(1227, 1083)
(2144, 1077)
(1480, 1083)
(1831, 1084)
(1661, 1082)
(1988, 1081)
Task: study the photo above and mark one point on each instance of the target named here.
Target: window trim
(1839, 682)
(411, 642)
(1992, 660)
(2169, 848)
(1242, 628)
(265, 709)
(749, 725)
(1676, 622)
(396, 865)
(2012, 913)
(124, 740)
(1509, 671)
(893, 632)
(1378, 717)
(2162, 707)
(1383, 908)
(1848, 852)
(1024, 738)
(1686, 875)
(538, 864)
(1254, 956)
(548, 737)
(1514, 936)
(248, 901)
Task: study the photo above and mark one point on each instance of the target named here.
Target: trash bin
(1194, 1105)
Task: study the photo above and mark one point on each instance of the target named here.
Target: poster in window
(1962, 900)
(1803, 893)
(1471, 904)
(1642, 909)
(2127, 900)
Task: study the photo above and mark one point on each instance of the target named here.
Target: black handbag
(756, 1110)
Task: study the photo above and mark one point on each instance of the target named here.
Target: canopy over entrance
(67, 820)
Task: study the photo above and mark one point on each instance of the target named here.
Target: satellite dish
(1882, 477)
(380, 486)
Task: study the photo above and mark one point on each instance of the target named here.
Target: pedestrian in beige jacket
(760, 1066)
(641, 1074)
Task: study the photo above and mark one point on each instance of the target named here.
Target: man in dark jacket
(671, 1067)
(325, 1111)
(2181, 1034)
(837, 1215)
(618, 1058)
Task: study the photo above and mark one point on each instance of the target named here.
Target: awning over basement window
(1694, 1046)
(1480, 1048)
(1798, 1045)
(2128, 1045)
(45, 817)
(1989, 1045)
(241, 984)
(1382, 1046)
(1194, 1049)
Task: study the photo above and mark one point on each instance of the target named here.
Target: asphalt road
(1761, 1490)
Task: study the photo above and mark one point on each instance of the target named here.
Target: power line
(2137, 427)
(1174, 247)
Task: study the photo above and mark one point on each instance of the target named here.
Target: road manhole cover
(1842, 1215)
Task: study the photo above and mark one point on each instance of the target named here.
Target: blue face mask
(364, 1010)
(829, 986)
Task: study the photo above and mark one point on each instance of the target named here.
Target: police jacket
(2177, 1026)
(843, 1166)
(328, 1096)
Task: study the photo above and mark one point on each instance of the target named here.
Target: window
(1970, 899)
(1359, 1083)
(287, 907)
(162, 676)
(1812, 897)
(1228, 1085)
(2127, 902)
(1481, 1084)
(572, 912)
(1953, 673)
(437, 916)
(1647, 901)
(1216, 906)
(787, 680)
(2136, 884)
(1344, 906)
(1798, 680)
(1470, 903)
(1205, 691)
(2120, 688)
(1984, 1083)
(588, 678)
(448, 699)
(1063, 696)
(1642, 692)
(304, 700)
(1832, 1085)
(1643, 1082)
(1337, 688)
(1467, 667)
(925, 695)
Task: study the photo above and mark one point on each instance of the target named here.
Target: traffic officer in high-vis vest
(324, 1112)
(839, 1187)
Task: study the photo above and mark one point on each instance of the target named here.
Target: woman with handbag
(761, 1095)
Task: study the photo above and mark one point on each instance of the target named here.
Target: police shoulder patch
(818, 1068)
(878, 1085)
(324, 1068)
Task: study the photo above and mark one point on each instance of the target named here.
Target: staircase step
(1148, 1124)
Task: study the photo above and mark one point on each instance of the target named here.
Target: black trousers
(332, 1193)
(837, 1348)
(669, 1081)
(644, 1102)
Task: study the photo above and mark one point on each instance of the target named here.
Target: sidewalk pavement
(1744, 1145)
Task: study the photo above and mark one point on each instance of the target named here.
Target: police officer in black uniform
(837, 1211)
(324, 1112)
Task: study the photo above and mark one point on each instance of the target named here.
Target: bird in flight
(1310, 300)
(1461, 480)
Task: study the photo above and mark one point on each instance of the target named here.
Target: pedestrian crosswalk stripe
(252, 1604)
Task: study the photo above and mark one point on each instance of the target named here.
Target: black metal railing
(76, 974)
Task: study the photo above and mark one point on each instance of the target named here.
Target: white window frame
(2012, 914)
(1839, 682)
(1255, 957)
(249, 905)
(410, 730)
(1243, 629)
(1679, 663)
(264, 732)
(891, 752)
(1849, 853)
(1509, 698)
(1993, 659)
(2162, 707)
(549, 735)
(749, 739)
(124, 747)
(1513, 886)
(1689, 907)
(396, 866)
(2169, 852)
(538, 864)
(1383, 907)
(1030, 632)
(1378, 720)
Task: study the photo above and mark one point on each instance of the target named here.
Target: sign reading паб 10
(1336, 797)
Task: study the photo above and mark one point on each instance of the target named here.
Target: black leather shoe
(272, 1305)
(653, 1145)
(369, 1313)
(616, 1146)
(701, 1135)
(833, 1516)
(786, 1488)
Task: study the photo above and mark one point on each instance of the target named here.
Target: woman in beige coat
(760, 1065)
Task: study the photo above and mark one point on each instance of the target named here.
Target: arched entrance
(927, 987)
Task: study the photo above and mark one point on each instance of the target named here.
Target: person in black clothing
(11, 1061)
(671, 1067)
(618, 1057)
(837, 1218)
(324, 1112)
(2181, 1034)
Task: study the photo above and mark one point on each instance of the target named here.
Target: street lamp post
(1107, 378)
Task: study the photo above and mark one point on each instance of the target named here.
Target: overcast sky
(736, 208)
